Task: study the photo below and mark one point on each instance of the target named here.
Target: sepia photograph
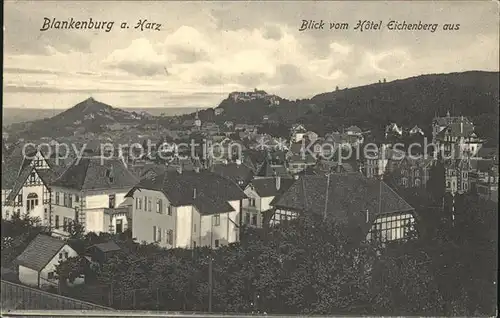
(250, 158)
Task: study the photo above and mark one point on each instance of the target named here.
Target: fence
(19, 297)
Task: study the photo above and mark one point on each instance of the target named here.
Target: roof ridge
(395, 193)
(49, 237)
(87, 165)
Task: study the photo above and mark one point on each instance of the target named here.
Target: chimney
(367, 214)
(194, 193)
(278, 183)
(461, 126)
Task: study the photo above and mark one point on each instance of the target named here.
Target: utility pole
(210, 266)
(210, 283)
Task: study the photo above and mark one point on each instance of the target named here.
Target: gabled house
(416, 131)
(297, 133)
(37, 263)
(457, 172)
(415, 172)
(348, 198)
(260, 192)
(88, 192)
(186, 210)
(484, 178)
(455, 136)
(393, 130)
(26, 186)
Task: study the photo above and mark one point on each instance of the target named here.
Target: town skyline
(196, 60)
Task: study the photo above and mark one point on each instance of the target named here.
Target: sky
(204, 51)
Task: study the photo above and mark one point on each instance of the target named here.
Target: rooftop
(340, 196)
(39, 252)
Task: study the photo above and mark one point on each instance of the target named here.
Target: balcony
(250, 209)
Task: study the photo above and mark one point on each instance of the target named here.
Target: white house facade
(187, 210)
(37, 264)
(96, 200)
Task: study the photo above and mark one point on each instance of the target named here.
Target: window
(56, 225)
(154, 233)
(31, 201)
(138, 203)
(70, 200)
(50, 275)
(65, 199)
(254, 219)
(169, 210)
(66, 224)
(60, 255)
(158, 234)
(65, 254)
(32, 178)
(447, 184)
(20, 199)
(112, 201)
(77, 198)
(247, 218)
(194, 228)
(390, 228)
(57, 198)
(46, 195)
(194, 244)
(159, 206)
(170, 237)
(217, 219)
(149, 205)
(216, 243)
(251, 202)
(119, 226)
(110, 175)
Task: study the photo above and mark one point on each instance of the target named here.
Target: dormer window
(112, 201)
(110, 175)
(32, 178)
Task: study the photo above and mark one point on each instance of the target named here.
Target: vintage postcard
(174, 158)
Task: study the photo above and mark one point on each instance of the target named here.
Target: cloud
(22, 34)
(273, 32)
(18, 70)
(218, 47)
(139, 58)
(288, 74)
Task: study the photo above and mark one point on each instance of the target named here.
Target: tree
(76, 230)
(69, 270)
